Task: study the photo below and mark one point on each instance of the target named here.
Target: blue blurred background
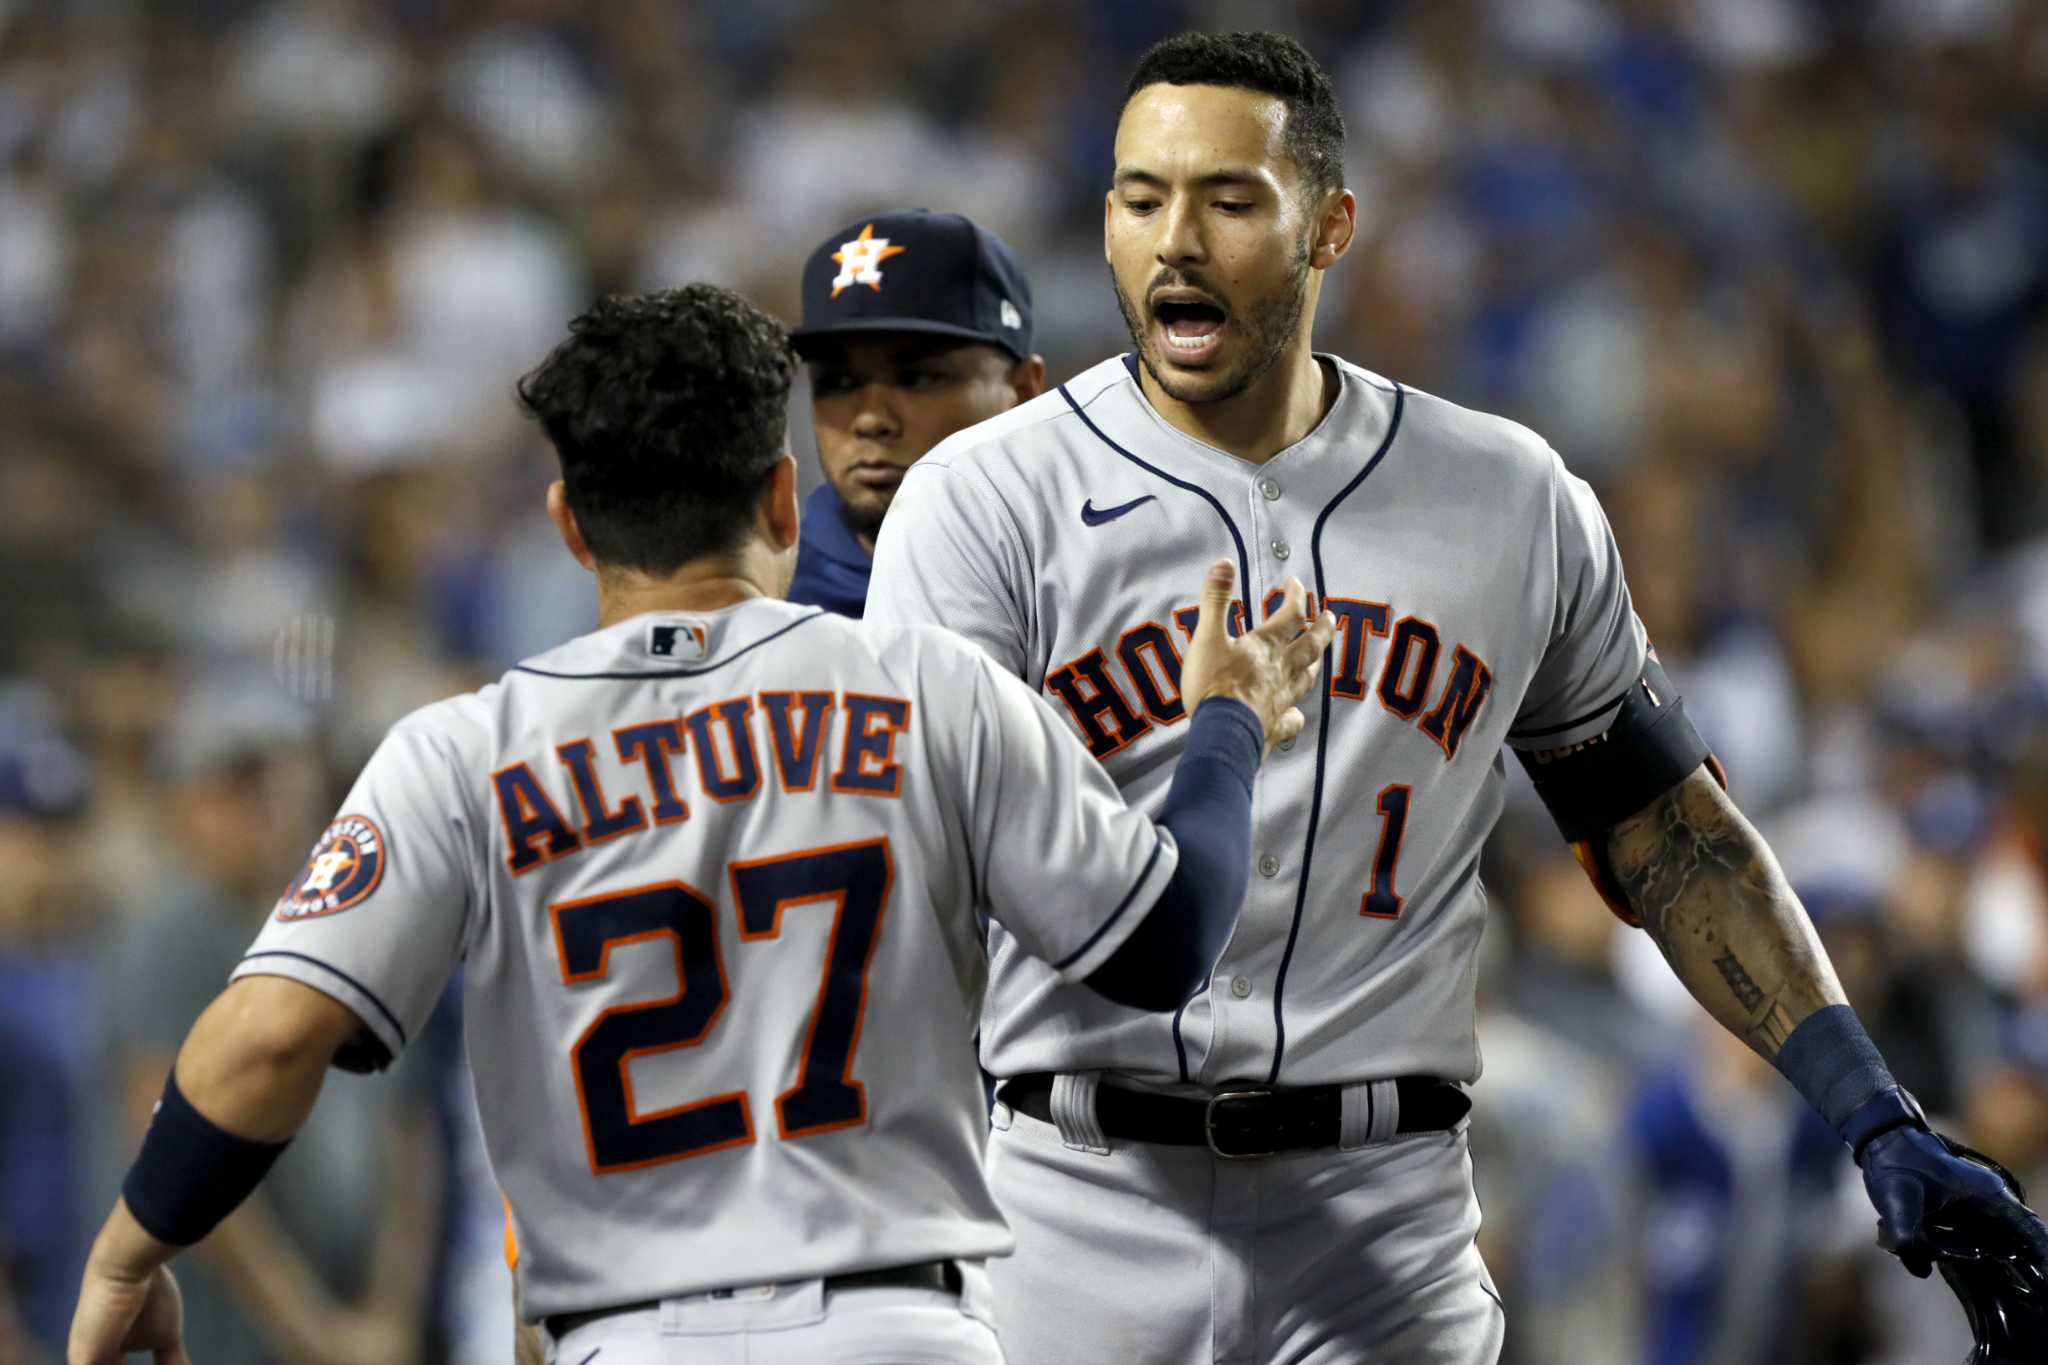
(1769, 273)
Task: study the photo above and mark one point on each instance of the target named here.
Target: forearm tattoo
(1711, 896)
(1769, 1022)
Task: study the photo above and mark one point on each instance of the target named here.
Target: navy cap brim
(869, 326)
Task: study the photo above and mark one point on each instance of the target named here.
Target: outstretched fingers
(1305, 651)
(1285, 622)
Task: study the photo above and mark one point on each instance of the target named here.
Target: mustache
(1170, 278)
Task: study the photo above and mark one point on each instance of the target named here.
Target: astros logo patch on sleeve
(344, 867)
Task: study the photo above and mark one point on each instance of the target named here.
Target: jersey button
(1269, 866)
(1240, 986)
(1269, 490)
(1280, 550)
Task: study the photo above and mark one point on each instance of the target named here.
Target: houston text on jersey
(1112, 711)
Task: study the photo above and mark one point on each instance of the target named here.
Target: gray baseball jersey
(1479, 600)
(715, 880)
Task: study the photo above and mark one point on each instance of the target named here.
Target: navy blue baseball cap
(916, 271)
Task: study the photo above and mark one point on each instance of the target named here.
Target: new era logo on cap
(860, 260)
(1012, 319)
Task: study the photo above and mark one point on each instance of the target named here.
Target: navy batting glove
(1932, 1202)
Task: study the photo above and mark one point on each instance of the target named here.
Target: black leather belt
(943, 1276)
(1244, 1122)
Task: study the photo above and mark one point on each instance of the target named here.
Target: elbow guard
(1592, 786)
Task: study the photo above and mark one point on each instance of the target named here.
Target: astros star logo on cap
(860, 260)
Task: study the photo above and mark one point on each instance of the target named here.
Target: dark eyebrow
(1217, 179)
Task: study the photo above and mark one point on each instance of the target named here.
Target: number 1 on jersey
(1382, 901)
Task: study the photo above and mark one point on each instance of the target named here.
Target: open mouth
(1191, 328)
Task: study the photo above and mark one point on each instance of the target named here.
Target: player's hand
(1934, 1201)
(117, 1315)
(1268, 669)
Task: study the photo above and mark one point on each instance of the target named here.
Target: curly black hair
(1272, 64)
(669, 411)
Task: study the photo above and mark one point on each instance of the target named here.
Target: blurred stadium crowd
(1770, 273)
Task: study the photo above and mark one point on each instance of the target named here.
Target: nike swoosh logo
(1095, 518)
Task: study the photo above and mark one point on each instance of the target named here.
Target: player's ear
(778, 507)
(564, 519)
(1335, 228)
(1027, 378)
(1108, 207)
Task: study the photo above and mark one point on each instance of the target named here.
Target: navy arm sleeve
(1208, 810)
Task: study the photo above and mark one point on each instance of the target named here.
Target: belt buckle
(1209, 1122)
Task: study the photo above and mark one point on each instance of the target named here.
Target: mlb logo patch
(685, 641)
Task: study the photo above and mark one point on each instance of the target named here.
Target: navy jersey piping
(367, 993)
(1115, 914)
(1315, 805)
(1244, 581)
(1559, 729)
(674, 672)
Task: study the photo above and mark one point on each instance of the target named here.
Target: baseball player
(915, 324)
(713, 869)
(1277, 1169)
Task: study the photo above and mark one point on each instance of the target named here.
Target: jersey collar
(671, 643)
(1319, 440)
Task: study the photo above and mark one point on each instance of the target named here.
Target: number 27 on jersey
(852, 880)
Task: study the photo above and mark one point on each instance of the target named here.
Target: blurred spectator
(49, 1062)
(118, 697)
(2006, 902)
(1885, 908)
(1551, 1185)
(1563, 978)
(1965, 271)
(1738, 1180)
(333, 1261)
(480, 285)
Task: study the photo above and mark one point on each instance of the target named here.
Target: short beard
(1269, 328)
(859, 519)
